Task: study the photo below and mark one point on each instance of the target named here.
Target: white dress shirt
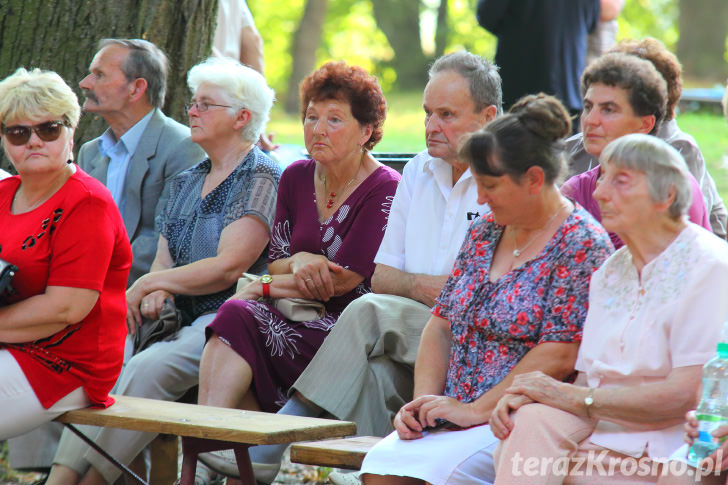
(429, 217)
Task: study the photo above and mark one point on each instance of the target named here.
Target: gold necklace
(517, 252)
(332, 195)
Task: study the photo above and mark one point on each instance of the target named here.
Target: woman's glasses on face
(203, 106)
(20, 134)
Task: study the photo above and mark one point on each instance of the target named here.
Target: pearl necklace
(516, 251)
(332, 195)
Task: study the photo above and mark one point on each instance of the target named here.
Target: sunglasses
(20, 134)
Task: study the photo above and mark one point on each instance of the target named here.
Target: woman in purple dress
(330, 217)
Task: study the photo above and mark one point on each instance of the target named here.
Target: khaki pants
(363, 372)
(549, 446)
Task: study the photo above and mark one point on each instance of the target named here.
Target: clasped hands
(313, 274)
(526, 388)
(416, 416)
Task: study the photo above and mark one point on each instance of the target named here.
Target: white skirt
(439, 457)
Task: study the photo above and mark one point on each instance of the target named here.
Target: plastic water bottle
(712, 412)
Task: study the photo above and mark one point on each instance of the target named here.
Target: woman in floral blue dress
(516, 301)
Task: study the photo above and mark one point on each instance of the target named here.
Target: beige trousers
(363, 372)
(549, 446)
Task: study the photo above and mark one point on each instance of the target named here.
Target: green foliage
(711, 132)
(655, 18)
(350, 34)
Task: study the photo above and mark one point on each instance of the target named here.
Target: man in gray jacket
(142, 149)
(135, 158)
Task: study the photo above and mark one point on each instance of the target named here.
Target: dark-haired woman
(330, 218)
(515, 302)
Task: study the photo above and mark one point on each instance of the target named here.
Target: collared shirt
(429, 217)
(119, 154)
(642, 326)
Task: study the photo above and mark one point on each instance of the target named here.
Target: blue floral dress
(494, 324)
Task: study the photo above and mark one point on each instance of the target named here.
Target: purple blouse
(580, 188)
(350, 237)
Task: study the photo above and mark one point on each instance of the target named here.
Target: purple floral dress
(494, 324)
(277, 349)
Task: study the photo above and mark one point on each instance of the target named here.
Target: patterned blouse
(192, 225)
(494, 324)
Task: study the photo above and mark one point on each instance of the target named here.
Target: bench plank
(337, 453)
(191, 420)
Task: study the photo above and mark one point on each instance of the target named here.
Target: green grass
(711, 133)
(404, 131)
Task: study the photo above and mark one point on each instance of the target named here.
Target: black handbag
(7, 271)
(163, 328)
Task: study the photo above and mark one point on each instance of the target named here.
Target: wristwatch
(266, 280)
(589, 401)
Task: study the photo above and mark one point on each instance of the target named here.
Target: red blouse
(75, 239)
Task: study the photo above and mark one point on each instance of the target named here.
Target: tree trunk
(701, 46)
(442, 30)
(62, 35)
(400, 22)
(303, 50)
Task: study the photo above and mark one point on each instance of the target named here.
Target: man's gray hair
(481, 74)
(145, 61)
(242, 87)
(663, 165)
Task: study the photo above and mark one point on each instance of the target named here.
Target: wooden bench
(337, 453)
(205, 428)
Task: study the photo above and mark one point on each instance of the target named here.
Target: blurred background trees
(394, 39)
(397, 39)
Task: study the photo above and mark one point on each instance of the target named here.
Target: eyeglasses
(20, 134)
(203, 106)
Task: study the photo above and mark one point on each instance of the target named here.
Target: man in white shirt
(364, 370)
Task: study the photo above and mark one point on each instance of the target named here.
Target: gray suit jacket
(164, 151)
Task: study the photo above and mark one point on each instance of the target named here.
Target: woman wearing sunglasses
(62, 323)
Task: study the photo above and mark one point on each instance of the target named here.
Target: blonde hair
(36, 94)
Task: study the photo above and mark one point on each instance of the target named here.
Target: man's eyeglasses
(203, 106)
(20, 134)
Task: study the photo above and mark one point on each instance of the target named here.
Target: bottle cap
(723, 349)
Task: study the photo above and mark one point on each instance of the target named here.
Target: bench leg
(124, 469)
(191, 447)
